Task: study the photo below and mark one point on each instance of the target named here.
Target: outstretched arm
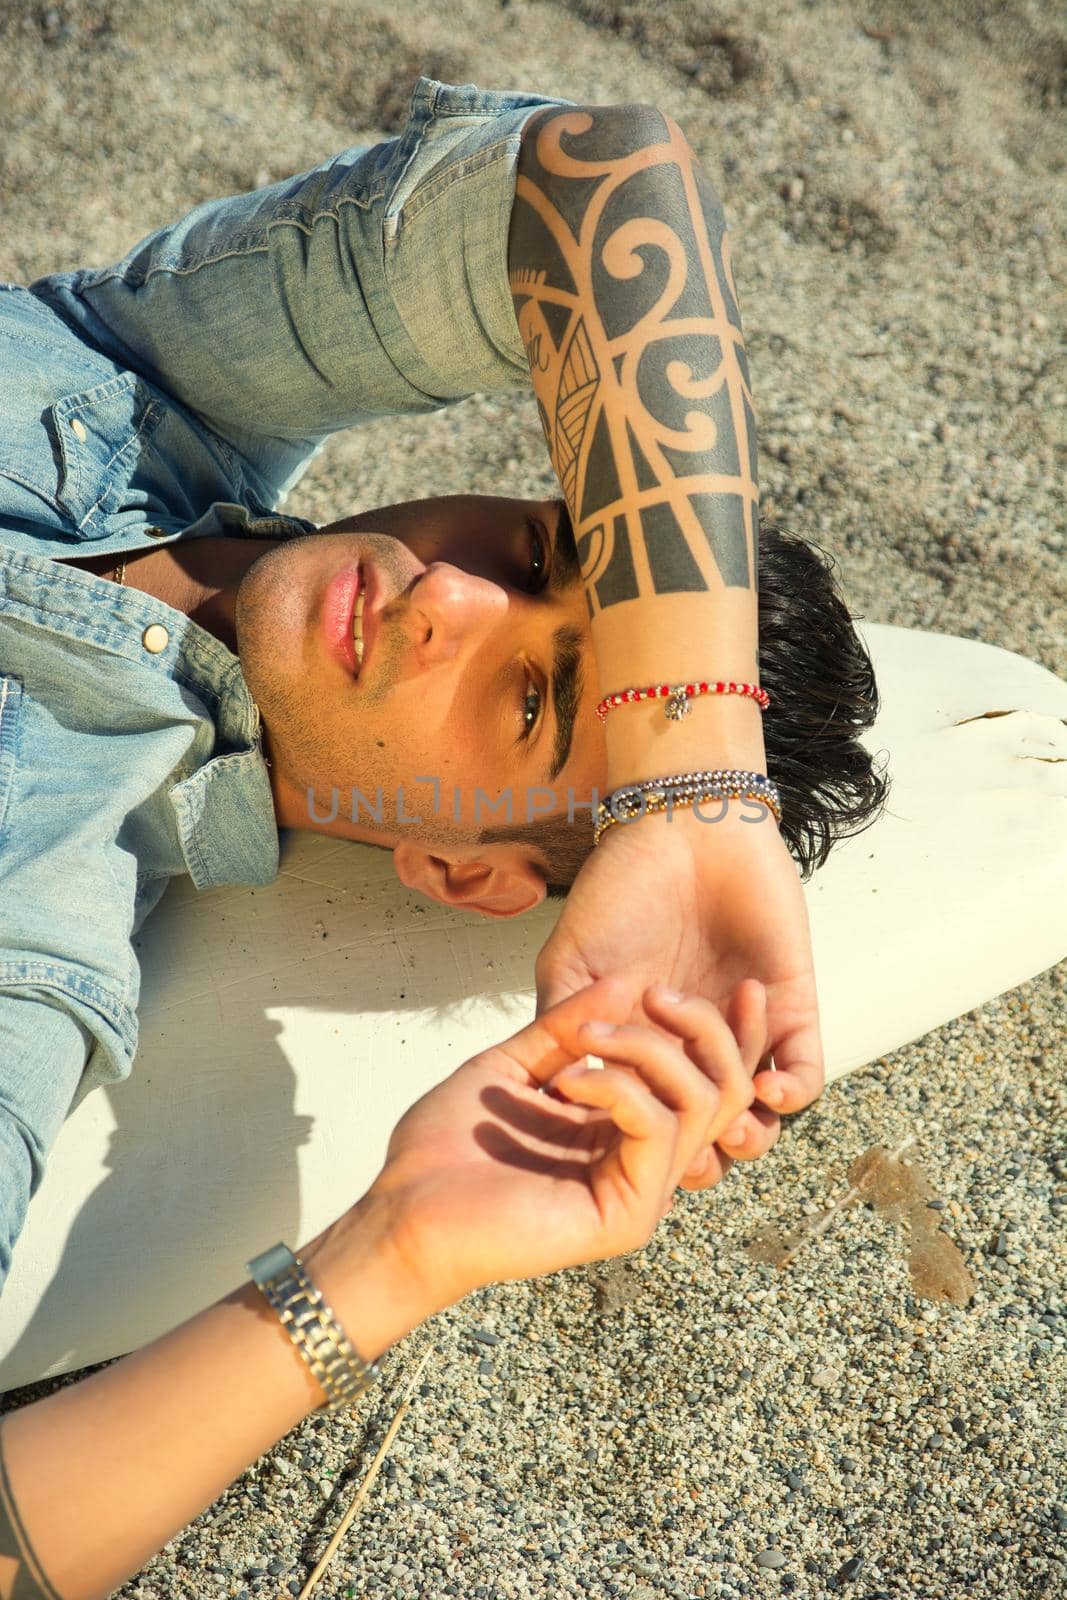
(624, 296)
(486, 1179)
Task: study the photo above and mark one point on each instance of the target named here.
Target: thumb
(549, 1042)
(557, 980)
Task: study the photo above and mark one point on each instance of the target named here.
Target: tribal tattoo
(620, 277)
(21, 1576)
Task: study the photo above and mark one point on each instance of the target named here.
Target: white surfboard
(285, 1030)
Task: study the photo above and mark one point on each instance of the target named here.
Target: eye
(539, 554)
(531, 708)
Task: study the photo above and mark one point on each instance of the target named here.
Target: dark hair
(823, 694)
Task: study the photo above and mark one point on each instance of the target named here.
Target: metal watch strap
(338, 1370)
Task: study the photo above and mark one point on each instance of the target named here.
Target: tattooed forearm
(21, 1577)
(620, 276)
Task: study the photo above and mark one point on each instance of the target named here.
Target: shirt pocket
(119, 454)
(10, 720)
(78, 454)
(100, 435)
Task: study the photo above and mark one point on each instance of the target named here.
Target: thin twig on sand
(364, 1488)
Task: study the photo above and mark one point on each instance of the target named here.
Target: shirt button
(156, 533)
(79, 430)
(155, 638)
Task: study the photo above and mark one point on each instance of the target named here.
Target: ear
(488, 887)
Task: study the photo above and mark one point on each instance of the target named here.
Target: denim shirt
(177, 394)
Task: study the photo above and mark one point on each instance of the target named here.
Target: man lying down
(631, 696)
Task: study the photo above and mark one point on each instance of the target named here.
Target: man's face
(477, 670)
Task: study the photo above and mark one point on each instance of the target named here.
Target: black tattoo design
(625, 300)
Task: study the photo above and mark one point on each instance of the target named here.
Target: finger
(549, 1042)
(800, 1076)
(746, 1015)
(646, 1153)
(668, 1072)
(710, 1045)
(708, 1168)
(752, 1135)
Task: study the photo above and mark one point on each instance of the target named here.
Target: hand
(701, 907)
(486, 1178)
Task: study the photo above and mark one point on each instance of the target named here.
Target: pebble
(771, 1558)
(850, 1569)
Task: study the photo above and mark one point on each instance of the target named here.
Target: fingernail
(671, 997)
(599, 1030)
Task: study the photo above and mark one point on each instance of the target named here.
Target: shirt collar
(227, 826)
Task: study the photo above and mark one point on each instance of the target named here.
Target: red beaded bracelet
(679, 695)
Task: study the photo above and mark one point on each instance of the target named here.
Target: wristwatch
(339, 1371)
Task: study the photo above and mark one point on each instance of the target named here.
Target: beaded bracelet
(684, 789)
(679, 696)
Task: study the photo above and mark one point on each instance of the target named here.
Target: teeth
(357, 628)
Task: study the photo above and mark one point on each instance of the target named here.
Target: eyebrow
(566, 679)
(566, 693)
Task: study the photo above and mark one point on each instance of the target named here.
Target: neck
(199, 577)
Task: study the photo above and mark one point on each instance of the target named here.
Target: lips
(369, 592)
(338, 606)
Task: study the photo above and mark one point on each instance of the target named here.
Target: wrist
(718, 731)
(362, 1277)
(687, 833)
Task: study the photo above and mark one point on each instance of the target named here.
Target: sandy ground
(894, 175)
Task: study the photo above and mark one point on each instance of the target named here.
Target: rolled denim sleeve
(44, 1048)
(447, 316)
(372, 285)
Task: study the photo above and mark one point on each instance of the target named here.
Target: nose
(451, 611)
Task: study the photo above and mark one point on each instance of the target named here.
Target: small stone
(794, 1480)
(276, 1567)
(936, 1441)
(849, 1464)
(825, 1377)
(485, 1368)
(484, 1337)
(850, 1569)
(770, 1558)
